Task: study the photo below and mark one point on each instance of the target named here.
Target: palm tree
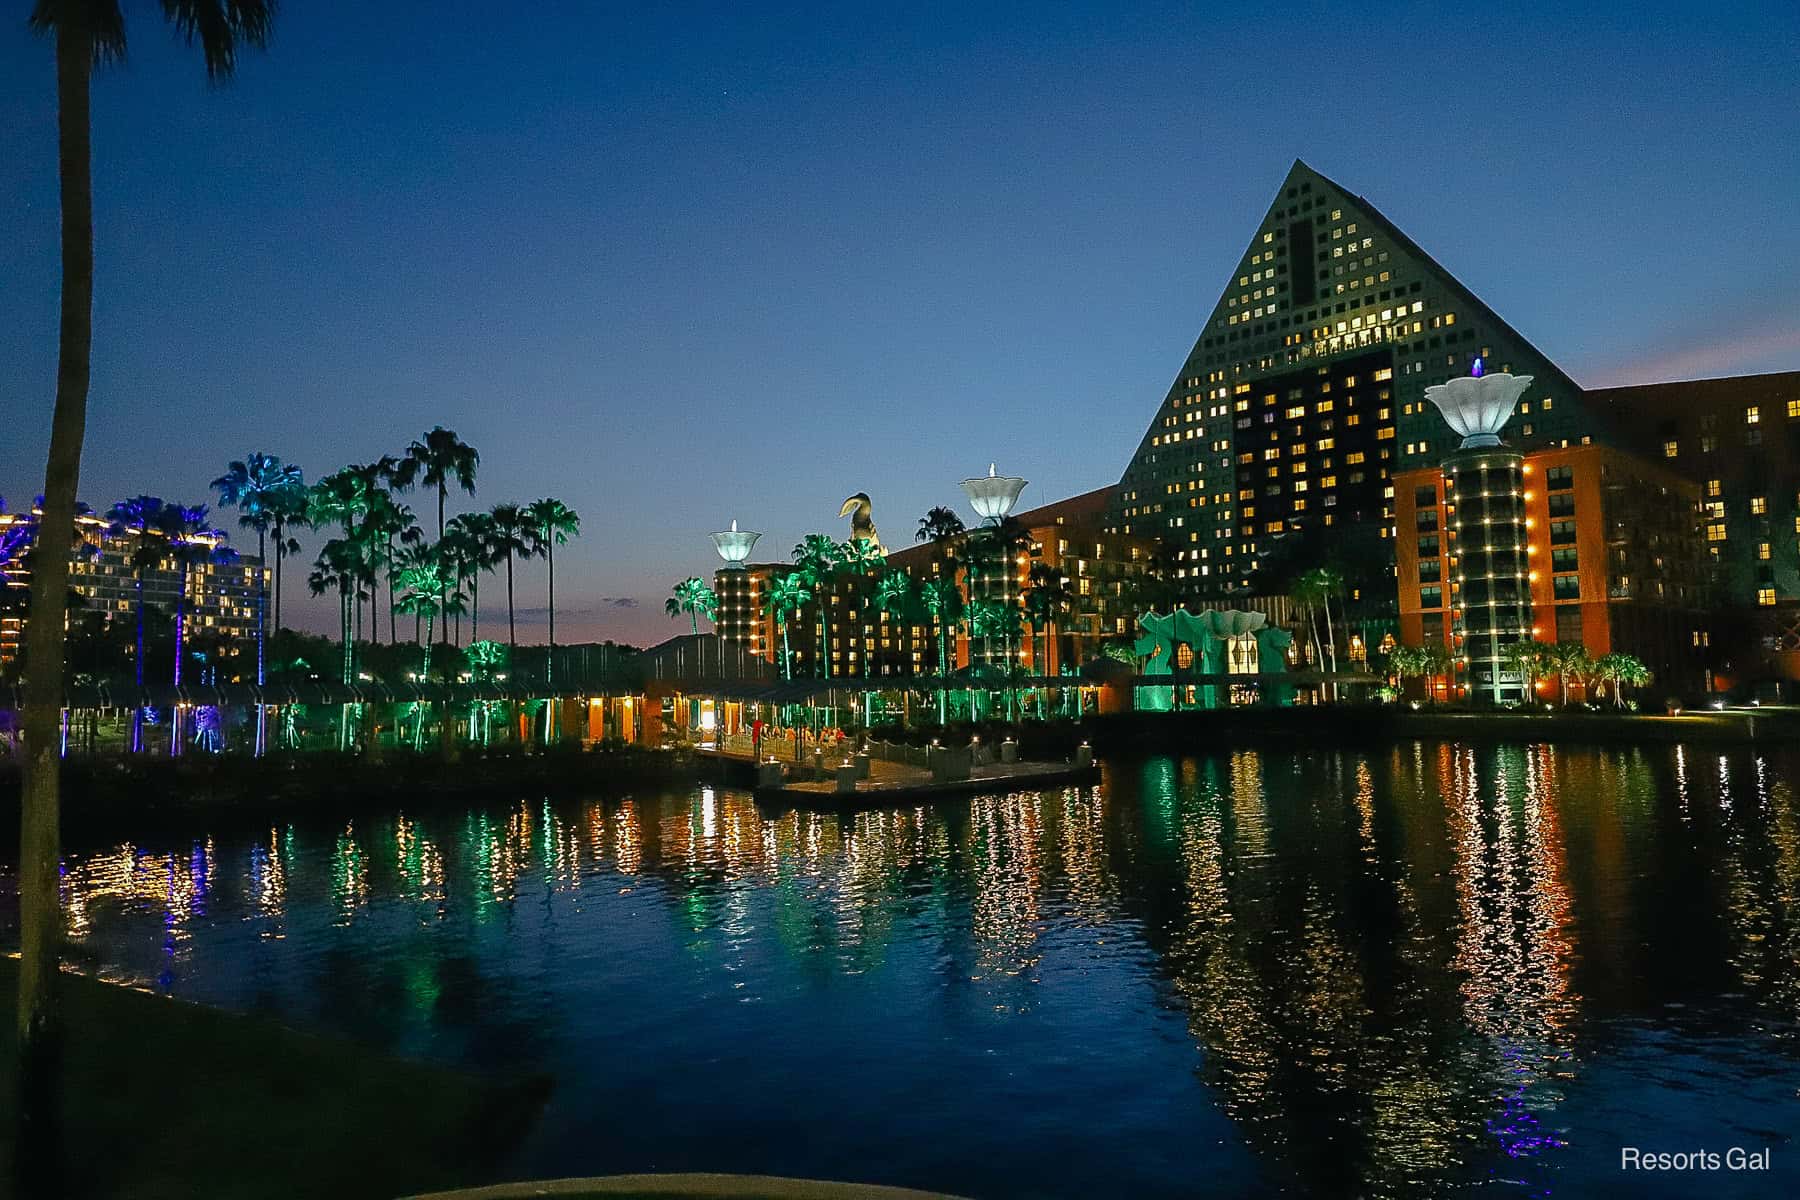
(785, 596)
(287, 510)
(859, 559)
(472, 543)
(345, 498)
(816, 559)
(253, 486)
(388, 519)
(438, 460)
(135, 518)
(423, 582)
(1629, 671)
(514, 536)
(86, 33)
(380, 513)
(337, 568)
(1619, 670)
(895, 595)
(1566, 661)
(556, 523)
(943, 601)
(1320, 585)
(191, 543)
(939, 525)
(1047, 598)
(692, 597)
(1525, 658)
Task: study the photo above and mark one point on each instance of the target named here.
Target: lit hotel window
(1765, 596)
(1759, 506)
(1752, 415)
(1671, 449)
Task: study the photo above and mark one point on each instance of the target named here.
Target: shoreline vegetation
(119, 793)
(175, 1099)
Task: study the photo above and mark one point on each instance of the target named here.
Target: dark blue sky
(684, 265)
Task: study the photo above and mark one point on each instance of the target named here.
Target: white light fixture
(992, 496)
(1478, 406)
(734, 546)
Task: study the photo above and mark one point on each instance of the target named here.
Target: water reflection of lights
(1382, 946)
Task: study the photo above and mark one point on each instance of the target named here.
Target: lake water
(1427, 969)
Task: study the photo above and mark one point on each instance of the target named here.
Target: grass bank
(168, 1099)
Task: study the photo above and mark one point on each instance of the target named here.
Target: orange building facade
(1616, 554)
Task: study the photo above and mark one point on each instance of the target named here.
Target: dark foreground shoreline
(162, 1098)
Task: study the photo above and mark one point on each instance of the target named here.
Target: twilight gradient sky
(677, 265)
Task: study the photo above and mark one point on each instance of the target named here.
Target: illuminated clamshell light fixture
(734, 546)
(1478, 406)
(992, 496)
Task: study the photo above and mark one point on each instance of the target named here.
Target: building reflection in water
(1392, 964)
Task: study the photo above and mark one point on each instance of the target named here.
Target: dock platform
(893, 787)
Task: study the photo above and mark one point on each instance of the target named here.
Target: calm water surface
(1421, 970)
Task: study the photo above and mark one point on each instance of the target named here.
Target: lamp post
(992, 496)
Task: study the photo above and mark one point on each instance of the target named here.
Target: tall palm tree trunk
(37, 1139)
(137, 713)
(512, 632)
(550, 657)
(262, 601)
(280, 542)
(180, 628)
(442, 487)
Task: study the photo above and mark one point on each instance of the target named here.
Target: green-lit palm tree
(514, 537)
(893, 595)
(816, 560)
(943, 601)
(860, 561)
(692, 597)
(424, 583)
(555, 523)
(785, 596)
(257, 487)
(86, 33)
